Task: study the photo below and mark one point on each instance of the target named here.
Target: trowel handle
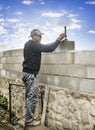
(65, 32)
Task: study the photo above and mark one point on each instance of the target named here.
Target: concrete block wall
(71, 78)
(11, 63)
(71, 69)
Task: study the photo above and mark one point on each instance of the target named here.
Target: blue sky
(19, 17)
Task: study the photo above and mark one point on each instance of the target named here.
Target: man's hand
(61, 36)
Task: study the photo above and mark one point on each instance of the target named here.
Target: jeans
(31, 85)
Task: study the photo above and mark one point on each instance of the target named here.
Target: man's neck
(35, 40)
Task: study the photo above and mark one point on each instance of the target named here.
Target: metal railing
(10, 98)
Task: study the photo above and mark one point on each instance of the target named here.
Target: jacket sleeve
(48, 48)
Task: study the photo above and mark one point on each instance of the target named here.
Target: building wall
(71, 78)
(71, 69)
(10, 63)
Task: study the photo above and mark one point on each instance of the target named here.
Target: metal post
(10, 102)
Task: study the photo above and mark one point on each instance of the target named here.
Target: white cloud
(72, 34)
(65, 12)
(71, 15)
(19, 25)
(90, 2)
(13, 20)
(69, 19)
(19, 13)
(11, 29)
(58, 28)
(42, 2)
(70, 23)
(74, 20)
(18, 33)
(2, 30)
(18, 30)
(74, 26)
(27, 2)
(5, 45)
(2, 20)
(52, 14)
(91, 31)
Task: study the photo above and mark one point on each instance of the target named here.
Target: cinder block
(65, 46)
(69, 82)
(14, 74)
(19, 74)
(1, 54)
(64, 69)
(53, 80)
(91, 72)
(8, 73)
(3, 60)
(3, 72)
(55, 69)
(57, 58)
(62, 81)
(77, 70)
(17, 52)
(13, 60)
(1, 66)
(42, 78)
(87, 85)
(49, 79)
(7, 53)
(13, 67)
(84, 57)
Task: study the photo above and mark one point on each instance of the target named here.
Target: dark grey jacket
(32, 55)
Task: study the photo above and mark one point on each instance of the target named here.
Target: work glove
(61, 36)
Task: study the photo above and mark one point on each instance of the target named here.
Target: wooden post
(10, 115)
(45, 101)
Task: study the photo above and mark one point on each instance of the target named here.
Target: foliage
(3, 102)
(4, 113)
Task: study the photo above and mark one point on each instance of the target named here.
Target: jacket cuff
(58, 41)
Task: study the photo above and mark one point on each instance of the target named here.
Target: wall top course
(15, 52)
(69, 51)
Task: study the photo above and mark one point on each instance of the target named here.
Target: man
(31, 66)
